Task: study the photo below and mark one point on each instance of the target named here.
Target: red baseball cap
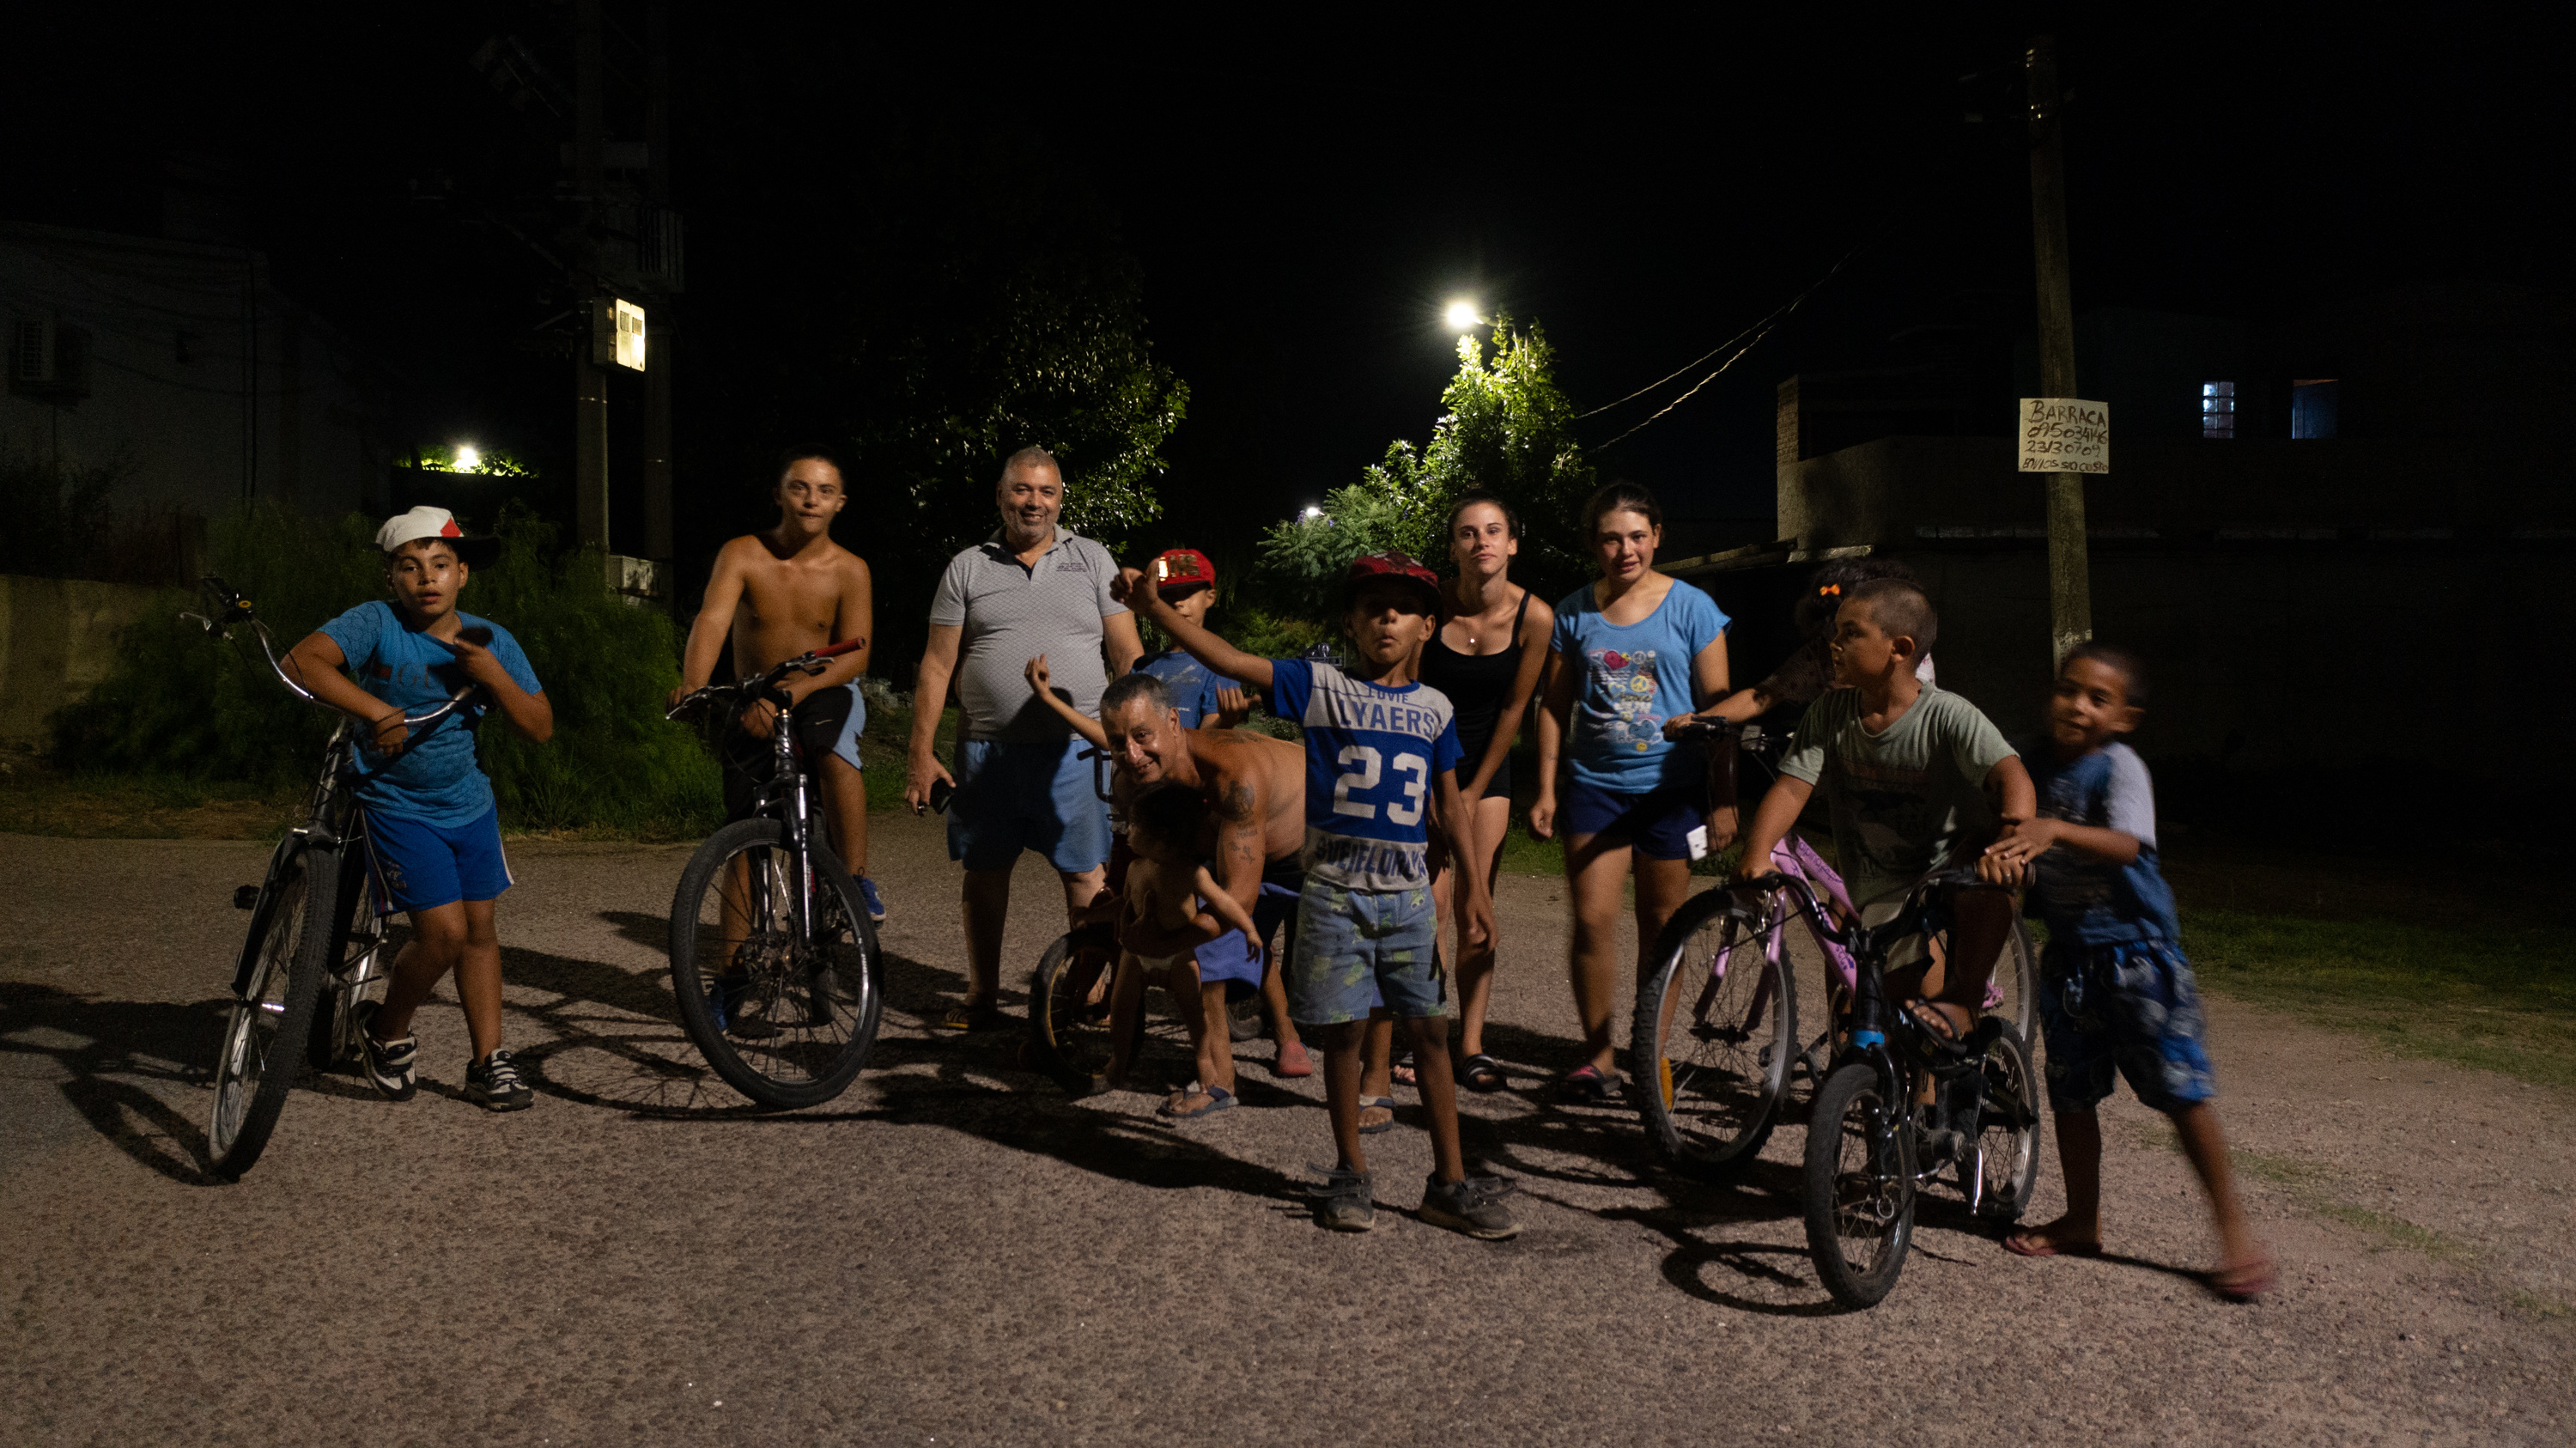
(1184, 568)
(1370, 566)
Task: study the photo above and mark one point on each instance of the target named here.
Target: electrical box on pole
(617, 334)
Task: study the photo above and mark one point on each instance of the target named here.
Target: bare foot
(2246, 1280)
(2054, 1239)
(1292, 1061)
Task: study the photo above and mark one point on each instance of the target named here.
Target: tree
(1505, 427)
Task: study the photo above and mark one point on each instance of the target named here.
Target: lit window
(2218, 409)
(2312, 407)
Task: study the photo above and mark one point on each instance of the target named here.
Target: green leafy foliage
(1505, 427)
(182, 704)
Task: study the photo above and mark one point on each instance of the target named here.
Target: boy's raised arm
(1043, 684)
(1206, 647)
(316, 663)
(1229, 912)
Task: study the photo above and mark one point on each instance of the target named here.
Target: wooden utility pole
(589, 380)
(657, 367)
(2070, 580)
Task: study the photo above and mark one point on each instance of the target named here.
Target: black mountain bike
(773, 957)
(314, 955)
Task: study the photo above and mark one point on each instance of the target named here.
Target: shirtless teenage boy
(777, 594)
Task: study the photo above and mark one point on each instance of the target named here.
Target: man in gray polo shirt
(1021, 784)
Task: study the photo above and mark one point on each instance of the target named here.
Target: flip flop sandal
(2022, 1244)
(1481, 1073)
(1935, 1023)
(1387, 1125)
(1218, 1099)
(1587, 1086)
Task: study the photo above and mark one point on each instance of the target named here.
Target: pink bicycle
(1712, 1080)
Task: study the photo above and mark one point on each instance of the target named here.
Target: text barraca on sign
(2065, 435)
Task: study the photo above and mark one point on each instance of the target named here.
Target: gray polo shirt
(1012, 614)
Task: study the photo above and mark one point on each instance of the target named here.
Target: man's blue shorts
(2134, 1008)
(1014, 797)
(1238, 962)
(424, 866)
(1358, 948)
(1655, 822)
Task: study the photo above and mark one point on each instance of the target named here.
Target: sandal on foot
(1402, 1072)
(2031, 1244)
(1481, 1073)
(2246, 1280)
(1936, 1025)
(971, 1016)
(1588, 1086)
(1217, 1099)
(1387, 1125)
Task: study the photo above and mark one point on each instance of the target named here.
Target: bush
(180, 703)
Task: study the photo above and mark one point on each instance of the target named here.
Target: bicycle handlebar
(809, 662)
(230, 611)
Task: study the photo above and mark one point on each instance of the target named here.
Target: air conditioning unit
(48, 359)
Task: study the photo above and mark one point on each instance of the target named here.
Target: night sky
(1302, 197)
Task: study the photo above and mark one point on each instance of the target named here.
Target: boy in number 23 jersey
(1381, 759)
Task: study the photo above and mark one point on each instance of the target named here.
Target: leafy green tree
(1505, 427)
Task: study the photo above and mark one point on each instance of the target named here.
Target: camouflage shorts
(2133, 1009)
(1357, 949)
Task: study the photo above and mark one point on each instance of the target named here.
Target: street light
(1461, 316)
(468, 457)
(1313, 512)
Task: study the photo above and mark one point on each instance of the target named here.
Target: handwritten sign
(2065, 435)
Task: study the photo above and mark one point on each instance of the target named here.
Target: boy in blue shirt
(431, 822)
(1381, 758)
(2116, 992)
(1203, 700)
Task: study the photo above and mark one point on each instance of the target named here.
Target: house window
(2218, 409)
(2312, 407)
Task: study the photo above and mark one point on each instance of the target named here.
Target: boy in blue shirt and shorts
(1203, 700)
(2116, 994)
(432, 827)
(1381, 758)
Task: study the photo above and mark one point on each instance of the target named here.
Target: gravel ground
(955, 1253)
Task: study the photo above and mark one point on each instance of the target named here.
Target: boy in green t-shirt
(1915, 779)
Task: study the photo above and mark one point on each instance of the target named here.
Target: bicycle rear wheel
(2002, 1169)
(1069, 1004)
(2013, 992)
(799, 1013)
(267, 1028)
(1860, 1186)
(1715, 1034)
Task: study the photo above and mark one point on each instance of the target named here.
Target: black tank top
(1476, 684)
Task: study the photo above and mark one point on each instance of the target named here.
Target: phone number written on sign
(2065, 435)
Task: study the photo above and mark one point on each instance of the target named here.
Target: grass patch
(2312, 1188)
(2493, 994)
(35, 800)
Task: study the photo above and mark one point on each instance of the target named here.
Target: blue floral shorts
(1357, 949)
(2132, 1007)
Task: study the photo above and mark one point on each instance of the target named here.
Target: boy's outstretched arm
(1083, 724)
(1206, 647)
(1771, 824)
(2016, 801)
(2014, 852)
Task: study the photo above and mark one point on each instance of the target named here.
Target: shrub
(180, 703)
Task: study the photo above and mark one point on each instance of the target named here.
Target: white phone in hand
(1698, 838)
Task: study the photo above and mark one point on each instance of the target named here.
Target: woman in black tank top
(1486, 658)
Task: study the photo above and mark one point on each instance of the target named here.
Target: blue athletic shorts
(424, 866)
(1014, 797)
(1238, 962)
(1358, 948)
(2133, 1008)
(1656, 822)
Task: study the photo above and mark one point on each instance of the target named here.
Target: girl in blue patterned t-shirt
(1634, 657)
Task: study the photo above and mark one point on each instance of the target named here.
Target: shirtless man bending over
(1255, 788)
(776, 594)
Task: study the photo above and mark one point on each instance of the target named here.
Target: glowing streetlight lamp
(1461, 316)
(1313, 512)
(468, 457)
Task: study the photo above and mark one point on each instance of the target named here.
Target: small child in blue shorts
(1381, 773)
(431, 821)
(2116, 993)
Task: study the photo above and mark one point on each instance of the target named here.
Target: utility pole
(657, 371)
(589, 380)
(2070, 582)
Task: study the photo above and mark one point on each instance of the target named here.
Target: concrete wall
(57, 638)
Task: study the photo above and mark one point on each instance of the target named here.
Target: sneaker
(493, 1083)
(1343, 1201)
(726, 998)
(1474, 1206)
(392, 1066)
(868, 894)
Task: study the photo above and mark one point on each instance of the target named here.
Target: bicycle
(1715, 1101)
(773, 957)
(313, 958)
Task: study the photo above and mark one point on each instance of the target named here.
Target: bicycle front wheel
(1860, 1186)
(266, 1030)
(1069, 1004)
(786, 1016)
(1715, 1032)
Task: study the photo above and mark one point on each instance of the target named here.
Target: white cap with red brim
(427, 522)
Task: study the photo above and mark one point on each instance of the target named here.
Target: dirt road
(954, 1253)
